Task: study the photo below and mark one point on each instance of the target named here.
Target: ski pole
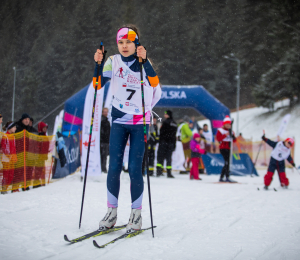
(258, 152)
(231, 147)
(91, 130)
(145, 140)
(256, 158)
(296, 169)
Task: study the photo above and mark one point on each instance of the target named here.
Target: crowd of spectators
(8, 156)
(166, 136)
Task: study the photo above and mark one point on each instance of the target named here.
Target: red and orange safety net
(25, 160)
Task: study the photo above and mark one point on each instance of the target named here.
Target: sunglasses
(290, 143)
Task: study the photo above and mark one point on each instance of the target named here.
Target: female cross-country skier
(281, 151)
(224, 136)
(127, 119)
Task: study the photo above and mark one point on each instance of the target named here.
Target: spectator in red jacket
(225, 136)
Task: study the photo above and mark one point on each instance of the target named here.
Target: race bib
(127, 94)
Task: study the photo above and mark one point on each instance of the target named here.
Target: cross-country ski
(128, 234)
(93, 234)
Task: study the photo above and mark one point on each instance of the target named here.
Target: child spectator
(281, 151)
(196, 152)
(42, 128)
(9, 157)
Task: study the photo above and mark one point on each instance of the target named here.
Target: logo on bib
(121, 73)
(121, 106)
(137, 110)
(124, 85)
(132, 79)
(127, 103)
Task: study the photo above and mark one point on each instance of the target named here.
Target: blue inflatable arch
(194, 96)
(197, 97)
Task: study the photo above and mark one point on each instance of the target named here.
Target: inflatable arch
(194, 96)
(197, 97)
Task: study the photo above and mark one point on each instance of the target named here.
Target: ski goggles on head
(127, 33)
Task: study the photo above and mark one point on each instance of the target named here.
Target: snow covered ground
(195, 220)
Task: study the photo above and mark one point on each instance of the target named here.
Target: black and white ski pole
(296, 170)
(145, 140)
(231, 147)
(91, 129)
(256, 157)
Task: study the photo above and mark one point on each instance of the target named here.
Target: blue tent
(73, 111)
(196, 97)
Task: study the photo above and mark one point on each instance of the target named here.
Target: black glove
(293, 164)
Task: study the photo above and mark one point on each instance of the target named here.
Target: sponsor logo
(121, 106)
(173, 95)
(119, 100)
(121, 73)
(132, 79)
(137, 110)
(72, 155)
(86, 143)
(216, 163)
(124, 85)
(134, 86)
(112, 219)
(127, 103)
(137, 219)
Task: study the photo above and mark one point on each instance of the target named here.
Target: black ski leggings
(226, 155)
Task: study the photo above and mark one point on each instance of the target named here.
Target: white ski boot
(135, 220)
(109, 219)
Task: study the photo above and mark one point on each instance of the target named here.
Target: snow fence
(25, 160)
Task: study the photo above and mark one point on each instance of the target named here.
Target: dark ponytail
(4, 128)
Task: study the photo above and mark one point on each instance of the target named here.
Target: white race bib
(127, 96)
(280, 152)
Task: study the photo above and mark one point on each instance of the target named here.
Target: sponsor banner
(241, 164)
(72, 153)
(173, 94)
(58, 122)
(108, 103)
(94, 167)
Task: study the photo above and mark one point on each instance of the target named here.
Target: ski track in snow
(194, 219)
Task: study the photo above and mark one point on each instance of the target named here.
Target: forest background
(52, 44)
